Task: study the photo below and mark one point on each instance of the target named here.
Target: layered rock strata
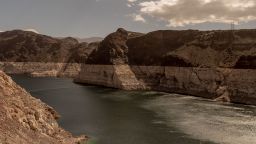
(231, 85)
(219, 65)
(38, 69)
(117, 76)
(27, 120)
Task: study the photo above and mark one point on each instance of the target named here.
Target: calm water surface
(111, 116)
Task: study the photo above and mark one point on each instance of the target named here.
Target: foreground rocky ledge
(41, 69)
(27, 120)
(224, 84)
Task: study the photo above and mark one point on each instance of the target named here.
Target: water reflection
(108, 116)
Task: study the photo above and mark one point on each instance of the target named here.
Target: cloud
(32, 30)
(128, 5)
(138, 18)
(185, 12)
(131, 1)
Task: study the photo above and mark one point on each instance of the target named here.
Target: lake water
(111, 116)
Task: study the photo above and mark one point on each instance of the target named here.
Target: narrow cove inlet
(111, 116)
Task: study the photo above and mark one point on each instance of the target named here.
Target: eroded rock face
(190, 48)
(112, 50)
(117, 76)
(222, 84)
(150, 49)
(218, 65)
(24, 119)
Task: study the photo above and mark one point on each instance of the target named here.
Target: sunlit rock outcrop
(25, 119)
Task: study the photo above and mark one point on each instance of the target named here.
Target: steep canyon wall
(225, 84)
(219, 65)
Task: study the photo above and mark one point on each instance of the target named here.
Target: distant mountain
(90, 40)
(188, 48)
(86, 40)
(27, 46)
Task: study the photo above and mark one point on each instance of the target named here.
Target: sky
(88, 18)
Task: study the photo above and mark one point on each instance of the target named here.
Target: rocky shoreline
(222, 84)
(25, 119)
(218, 64)
(40, 69)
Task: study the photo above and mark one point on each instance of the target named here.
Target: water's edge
(220, 84)
(112, 116)
(108, 116)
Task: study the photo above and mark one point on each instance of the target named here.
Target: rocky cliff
(113, 49)
(221, 84)
(189, 48)
(215, 64)
(219, 65)
(26, 120)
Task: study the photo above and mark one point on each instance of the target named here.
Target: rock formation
(112, 50)
(219, 65)
(215, 64)
(229, 49)
(25, 120)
